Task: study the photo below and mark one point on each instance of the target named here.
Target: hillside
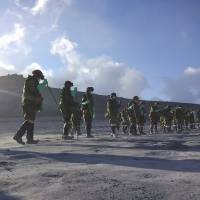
(10, 99)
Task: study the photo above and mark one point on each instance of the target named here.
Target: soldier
(31, 104)
(198, 117)
(174, 123)
(142, 117)
(124, 120)
(134, 115)
(167, 117)
(186, 119)
(154, 118)
(192, 120)
(179, 112)
(113, 113)
(88, 110)
(66, 106)
(76, 119)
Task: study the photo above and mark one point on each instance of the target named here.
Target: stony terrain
(150, 167)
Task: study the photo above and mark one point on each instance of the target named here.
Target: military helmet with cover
(68, 84)
(38, 73)
(91, 89)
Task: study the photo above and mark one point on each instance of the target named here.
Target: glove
(42, 85)
(74, 92)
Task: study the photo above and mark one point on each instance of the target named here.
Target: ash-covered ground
(149, 167)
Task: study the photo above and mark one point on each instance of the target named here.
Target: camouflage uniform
(31, 104)
(88, 110)
(179, 113)
(186, 119)
(142, 118)
(135, 117)
(198, 117)
(154, 116)
(76, 119)
(192, 120)
(167, 117)
(66, 106)
(113, 113)
(124, 120)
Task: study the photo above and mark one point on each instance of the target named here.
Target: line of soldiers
(133, 117)
(72, 111)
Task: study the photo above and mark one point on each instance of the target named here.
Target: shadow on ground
(185, 165)
(4, 196)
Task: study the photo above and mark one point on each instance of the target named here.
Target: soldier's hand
(45, 82)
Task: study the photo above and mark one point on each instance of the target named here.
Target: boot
(65, 135)
(113, 131)
(19, 140)
(30, 132)
(20, 133)
(88, 129)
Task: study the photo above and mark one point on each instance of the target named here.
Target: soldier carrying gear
(66, 106)
(134, 115)
(198, 117)
(154, 118)
(167, 119)
(113, 113)
(76, 119)
(192, 120)
(88, 110)
(142, 119)
(124, 120)
(186, 119)
(179, 113)
(31, 104)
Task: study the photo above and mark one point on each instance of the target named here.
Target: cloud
(42, 16)
(66, 49)
(14, 37)
(102, 72)
(39, 7)
(6, 68)
(186, 87)
(191, 71)
(28, 70)
(13, 42)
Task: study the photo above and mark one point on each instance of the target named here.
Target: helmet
(113, 94)
(38, 73)
(135, 98)
(68, 83)
(90, 89)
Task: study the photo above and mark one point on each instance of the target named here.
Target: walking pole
(52, 95)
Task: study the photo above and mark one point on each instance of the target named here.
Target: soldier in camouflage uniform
(167, 117)
(113, 113)
(198, 117)
(154, 116)
(76, 119)
(88, 110)
(66, 106)
(142, 118)
(179, 113)
(31, 104)
(186, 119)
(134, 116)
(124, 120)
(192, 120)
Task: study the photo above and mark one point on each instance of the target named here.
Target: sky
(131, 47)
